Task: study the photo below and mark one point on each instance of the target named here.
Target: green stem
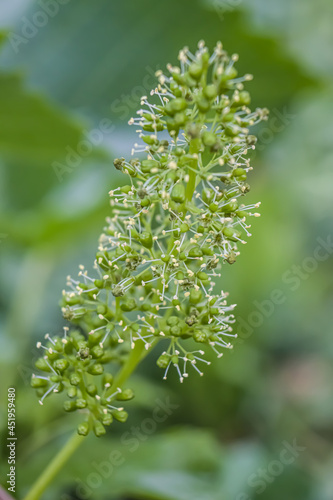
(191, 185)
(118, 311)
(136, 355)
(47, 476)
(54, 467)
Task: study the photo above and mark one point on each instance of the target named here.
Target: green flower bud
(72, 301)
(184, 228)
(195, 296)
(180, 119)
(153, 127)
(69, 405)
(52, 355)
(203, 105)
(195, 70)
(213, 207)
(210, 91)
(195, 252)
(96, 369)
(172, 321)
(148, 165)
(202, 276)
(129, 305)
(37, 382)
(244, 98)
(125, 395)
(231, 130)
(239, 174)
(108, 356)
(230, 207)
(126, 189)
(95, 337)
(71, 392)
(241, 214)
(178, 193)
(163, 361)
(98, 428)
(207, 250)
(80, 403)
(100, 283)
(209, 139)
(200, 336)
(60, 365)
(145, 202)
(91, 389)
(120, 415)
(83, 429)
(146, 239)
(231, 233)
(107, 379)
(145, 307)
(175, 330)
(42, 365)
(175, 359)
(75, 379)
(150, 140)
(107, 419)
(175, 106)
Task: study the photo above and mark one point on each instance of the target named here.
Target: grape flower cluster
(180, 217)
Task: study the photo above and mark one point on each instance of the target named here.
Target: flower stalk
(54, 467)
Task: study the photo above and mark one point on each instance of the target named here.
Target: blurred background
(259, 424)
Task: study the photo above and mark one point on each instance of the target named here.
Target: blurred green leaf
(178, 465)
(306, 28)
(121, 70)
(32, 129)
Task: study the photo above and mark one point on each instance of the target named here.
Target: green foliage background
(92, 61)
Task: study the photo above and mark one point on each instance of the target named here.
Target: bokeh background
(61, 77)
